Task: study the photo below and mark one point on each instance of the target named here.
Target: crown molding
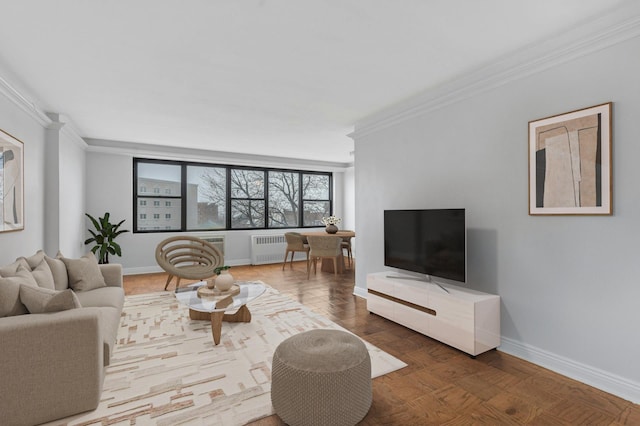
(22, 102)
(605, 31)
(163, 152)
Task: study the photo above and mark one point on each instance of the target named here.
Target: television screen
(431, 242)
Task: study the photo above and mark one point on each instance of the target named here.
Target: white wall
(65, 226)
(349, 211)
(22, 126)
(569, 285)
(110, 188)
(54, 171)
(72, 196)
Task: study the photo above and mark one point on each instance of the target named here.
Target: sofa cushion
(104, 296)
(10, 303)
(40, 300)
(40, 270)
(59, 272)
(84, 273)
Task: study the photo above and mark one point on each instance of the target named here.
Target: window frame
(182, 198)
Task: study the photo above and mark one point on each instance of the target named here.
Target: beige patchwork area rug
(165, 369)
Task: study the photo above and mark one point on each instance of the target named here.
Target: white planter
(224, 281)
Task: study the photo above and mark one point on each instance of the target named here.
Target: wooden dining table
(327, 264)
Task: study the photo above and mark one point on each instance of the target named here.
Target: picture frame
(570, 163)
(11, 183)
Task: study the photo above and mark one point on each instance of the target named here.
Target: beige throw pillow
(41, 300)
(34, 260)
(40, 270)
(84, 273)
(10, 303)
(10, 270)
(59, 272)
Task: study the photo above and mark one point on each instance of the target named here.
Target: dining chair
(346, 246)
(295, 242)
(322, 247)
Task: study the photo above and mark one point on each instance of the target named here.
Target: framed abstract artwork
(11, 183)
(570, 163)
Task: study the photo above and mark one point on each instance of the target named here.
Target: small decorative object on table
(331, 223)
(214, 294)
(224, 279)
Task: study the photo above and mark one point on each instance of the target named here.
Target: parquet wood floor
(441, 385)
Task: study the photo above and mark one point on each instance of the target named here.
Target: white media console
(465, 319)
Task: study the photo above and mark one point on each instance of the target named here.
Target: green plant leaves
(105, 233)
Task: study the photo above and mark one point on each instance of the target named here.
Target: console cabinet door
(453, 323)
(412, 292)
(412, 318)
(381, 306)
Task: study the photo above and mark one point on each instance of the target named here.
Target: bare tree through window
(247, 198)
(316, 201)
(284, 199)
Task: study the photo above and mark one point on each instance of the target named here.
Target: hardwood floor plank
(440, 385)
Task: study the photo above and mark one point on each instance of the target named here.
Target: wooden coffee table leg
(216, 318)
(216, 326)
(242, 315)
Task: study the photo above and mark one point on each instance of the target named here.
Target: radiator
(216, 240)
(270, 249)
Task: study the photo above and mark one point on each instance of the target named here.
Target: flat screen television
(431, 242)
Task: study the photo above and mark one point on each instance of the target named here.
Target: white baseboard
(142, 270)
(155, 268)
(361, 292)
(597, 378)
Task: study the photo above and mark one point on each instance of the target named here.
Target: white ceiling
(271, 77)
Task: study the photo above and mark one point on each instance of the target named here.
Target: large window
(248, 200)
(206, 197)
(284, 199)
(182, 196)
(157, 184)
(316, 198)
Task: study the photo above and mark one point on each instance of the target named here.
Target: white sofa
(58, 324)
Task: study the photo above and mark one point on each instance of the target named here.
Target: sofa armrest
(112, 273)
(51, 365)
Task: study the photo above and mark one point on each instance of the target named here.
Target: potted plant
(103, 237)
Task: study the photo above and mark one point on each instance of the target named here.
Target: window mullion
(183, 198)
(228, 196)
(265, 195)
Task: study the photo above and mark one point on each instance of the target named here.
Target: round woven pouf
(321, 377)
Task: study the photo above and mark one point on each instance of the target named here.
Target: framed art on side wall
(11, 183)
(570, 163)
